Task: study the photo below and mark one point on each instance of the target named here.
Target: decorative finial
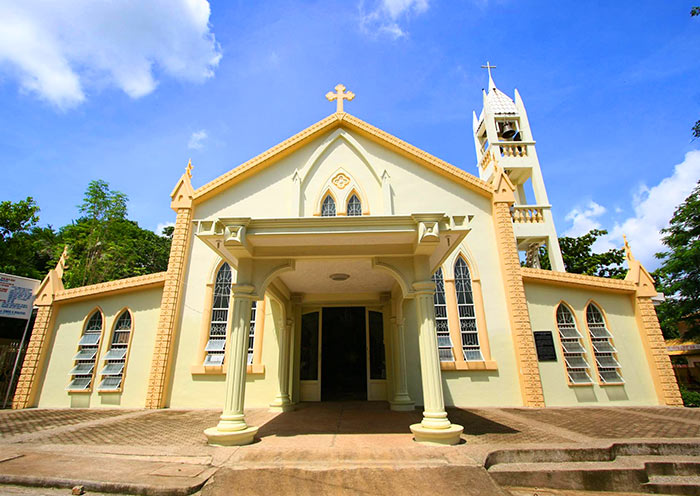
(61, 264)
(488, 67)
(340, 95)
(628, 250)
(188, 169)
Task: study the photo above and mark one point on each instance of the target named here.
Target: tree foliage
(103, 244)
(579, 257)
(679, 275)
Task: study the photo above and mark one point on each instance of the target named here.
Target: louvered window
(115, 360)
(606, 361)
(84, 367)
(441, 323)
(219, 317)
(328, 207)
(354, 206)
(574, 352)
(467, 316)
(251, 331)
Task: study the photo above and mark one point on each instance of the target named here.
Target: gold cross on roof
(340, 95)
(188, 169)
(488, 67)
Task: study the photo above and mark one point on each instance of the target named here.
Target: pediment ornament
(341, 180)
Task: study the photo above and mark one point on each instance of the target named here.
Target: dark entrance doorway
(344, 354)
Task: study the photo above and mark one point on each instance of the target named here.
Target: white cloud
(653, 208)
(196, 139)
(57, 49)
(384, 15)
(583, 219)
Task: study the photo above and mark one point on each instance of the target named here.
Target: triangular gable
(352, 123)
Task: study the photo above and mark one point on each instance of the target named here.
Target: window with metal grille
(84, 367)
(574, 352)
(219, 317)
(115, 359)
(328, 207)
(603, 348)
(441, 324)
(354, 206)
(251, 331)
(467, 316)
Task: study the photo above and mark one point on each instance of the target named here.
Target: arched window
(467, 316)
(328, 207)
(608, 366)
(354, 206)
(574, 352)
(88, 346)
(115, 359)
(441, 323)
(251, 332)
(219, 317)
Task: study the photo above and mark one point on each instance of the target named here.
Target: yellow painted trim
(453, 321)
(331, 122)
(589, 350)
(319, 205)
(480, 365)
(112, 287)
(254, 369)
(97, 355)
(576, 280)
(128, 348)
(364, 202)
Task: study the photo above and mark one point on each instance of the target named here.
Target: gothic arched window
(219, 317)
(115, 359)
(601, 339)
(328, 207)
(467, 315)
(574, 352)
(441, 323)
(354, 206)
(88, 346)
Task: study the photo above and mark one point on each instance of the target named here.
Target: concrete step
(674, 484)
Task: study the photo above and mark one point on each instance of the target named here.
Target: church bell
(508, 131)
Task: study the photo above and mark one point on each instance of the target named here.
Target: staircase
(654, 467)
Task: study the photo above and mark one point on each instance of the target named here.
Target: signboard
(544, 342)
(17, 296)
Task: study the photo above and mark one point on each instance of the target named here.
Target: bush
(690, 398)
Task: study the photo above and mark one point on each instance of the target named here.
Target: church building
(347, 264)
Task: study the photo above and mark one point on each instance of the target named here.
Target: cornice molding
(579, 280)
(118, 286)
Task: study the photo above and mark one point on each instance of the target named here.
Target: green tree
(579, 257)
(679, 275)
(25, 248)
(104, 245)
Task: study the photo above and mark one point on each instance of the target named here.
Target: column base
(402, 406)
(448, 436)
(281, 408)
(216, 437)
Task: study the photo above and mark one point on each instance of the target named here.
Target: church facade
(346, 264)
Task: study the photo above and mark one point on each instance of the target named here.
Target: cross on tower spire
(340, 95)
(488, 67)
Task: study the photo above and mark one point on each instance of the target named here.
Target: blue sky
(128, 91)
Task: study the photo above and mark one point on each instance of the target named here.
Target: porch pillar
(232, 429)
(401, 402)
(435, 427)
(282, 402)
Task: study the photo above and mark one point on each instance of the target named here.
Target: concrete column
(401, 400)
(232, 429)
(435, 427)
(282, 402)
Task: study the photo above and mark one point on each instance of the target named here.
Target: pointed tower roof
(498, 102)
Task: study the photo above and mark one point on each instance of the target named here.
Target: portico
(303, 263)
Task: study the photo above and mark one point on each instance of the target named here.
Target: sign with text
(17, 296)
(544, 343)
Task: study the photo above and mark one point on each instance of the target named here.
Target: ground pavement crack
(551, 429)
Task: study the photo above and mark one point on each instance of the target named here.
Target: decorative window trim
(609, 343)
(95, 359)
(363, 202)
(453, 316)
(120, 389)
(446, 350)
(583, 354)
(198, 367)
(341, 196)
(329, 193)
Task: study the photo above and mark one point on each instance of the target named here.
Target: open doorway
(344, 354)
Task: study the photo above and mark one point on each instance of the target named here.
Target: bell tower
(502, 137)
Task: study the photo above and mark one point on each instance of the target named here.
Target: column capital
(243, 291)
(424, 287)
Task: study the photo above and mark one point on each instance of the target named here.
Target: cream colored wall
(619, 310)
(145, 309)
